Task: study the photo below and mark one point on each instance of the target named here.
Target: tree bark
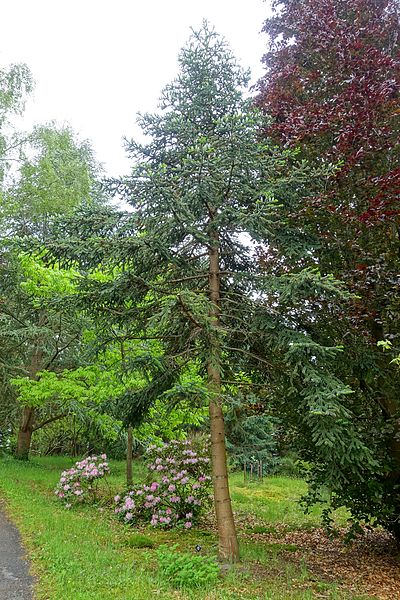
(129, 477)
(228, 546)
(25, 434)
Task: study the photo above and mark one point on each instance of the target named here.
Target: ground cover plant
(186, 570)
(86, 554)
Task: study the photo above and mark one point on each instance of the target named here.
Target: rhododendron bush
(177, 488)
(80, 483)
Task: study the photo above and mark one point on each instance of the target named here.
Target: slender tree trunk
(25, 434)
(129, 478)
(227, 537)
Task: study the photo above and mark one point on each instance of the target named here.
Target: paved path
(15, 581)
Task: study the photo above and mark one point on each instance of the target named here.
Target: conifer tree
(205, 193)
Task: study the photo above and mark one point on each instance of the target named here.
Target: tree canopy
(332, 88)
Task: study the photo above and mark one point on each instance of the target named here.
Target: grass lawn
(85, 554)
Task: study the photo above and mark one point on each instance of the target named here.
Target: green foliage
(186, 570)
(56, 172)
(251, 435)
(40, 324)
(41, 282)
(15, 85)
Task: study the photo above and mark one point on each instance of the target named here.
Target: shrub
(251, 435)
(177, 489)
(290, 466)
(138, 540)
(80, 483)
(183, 569)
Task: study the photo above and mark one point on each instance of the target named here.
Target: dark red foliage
(332, 89)
(332, 86)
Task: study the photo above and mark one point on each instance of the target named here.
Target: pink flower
(172, 487)
(129, 503)
(188, 524)
(128, 516)
(117, 498)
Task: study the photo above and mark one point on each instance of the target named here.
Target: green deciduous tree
(55, 173)
(15, 85)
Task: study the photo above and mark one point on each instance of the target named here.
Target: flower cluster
(177, 491)
(81, 480)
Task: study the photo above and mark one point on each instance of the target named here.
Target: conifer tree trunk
(227, 537)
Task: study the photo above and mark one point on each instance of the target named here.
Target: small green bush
(262, 529)
(183, 569)
(289, 466)
(138, 540)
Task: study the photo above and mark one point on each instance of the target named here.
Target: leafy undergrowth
(85, 554)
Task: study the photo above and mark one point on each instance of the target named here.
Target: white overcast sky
(97, 63)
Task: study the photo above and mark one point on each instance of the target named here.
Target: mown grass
(85, 554)
(275, 500)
